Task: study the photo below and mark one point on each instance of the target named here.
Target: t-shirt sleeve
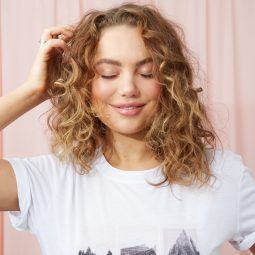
(34, 184)
(245, 235)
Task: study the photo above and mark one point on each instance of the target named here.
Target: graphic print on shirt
(170, 242)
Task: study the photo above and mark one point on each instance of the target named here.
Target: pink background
(219, 32)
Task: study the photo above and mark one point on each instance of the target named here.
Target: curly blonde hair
(181, 133)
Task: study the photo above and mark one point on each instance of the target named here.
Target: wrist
(34, 91)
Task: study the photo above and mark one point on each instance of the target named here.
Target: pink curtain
(219, 33)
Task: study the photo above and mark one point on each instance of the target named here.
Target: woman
(134, 167)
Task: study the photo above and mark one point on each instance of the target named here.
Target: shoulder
(227, 164)
(39, 161)
(224, 157)
(41, 164)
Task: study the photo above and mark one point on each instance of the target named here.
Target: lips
(129, 110)
(126, 105)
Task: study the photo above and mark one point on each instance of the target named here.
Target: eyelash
(146, 76)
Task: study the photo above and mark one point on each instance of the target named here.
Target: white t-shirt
(113, 211)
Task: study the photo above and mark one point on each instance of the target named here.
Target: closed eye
(147, 76)
(108, 77)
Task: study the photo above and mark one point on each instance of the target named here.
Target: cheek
(101, 92)
(152, 91)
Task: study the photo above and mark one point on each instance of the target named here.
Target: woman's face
(123, 76)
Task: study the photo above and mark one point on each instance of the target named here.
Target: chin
(128, 130)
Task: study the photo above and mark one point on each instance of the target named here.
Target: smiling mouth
(128, 111)
(129, 107)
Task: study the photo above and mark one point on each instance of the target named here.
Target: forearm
(18, 102)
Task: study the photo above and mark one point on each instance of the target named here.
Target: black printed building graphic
(184, 245)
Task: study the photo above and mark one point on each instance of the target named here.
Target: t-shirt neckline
(128, 176)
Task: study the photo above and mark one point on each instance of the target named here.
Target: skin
(126, 132)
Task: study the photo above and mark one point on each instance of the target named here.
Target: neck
(128, 152)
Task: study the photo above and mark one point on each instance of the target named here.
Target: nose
(128, 86)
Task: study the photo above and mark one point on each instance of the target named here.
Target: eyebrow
(117, 63)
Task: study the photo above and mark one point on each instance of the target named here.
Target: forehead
(121, 43)
(118, 63)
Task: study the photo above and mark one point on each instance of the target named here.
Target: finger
(66, 32)
(53, 43)
(64, 37)
(53, 32)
